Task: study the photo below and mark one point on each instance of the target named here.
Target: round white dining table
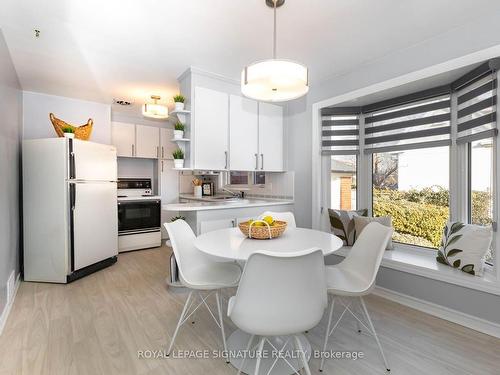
(231, 244)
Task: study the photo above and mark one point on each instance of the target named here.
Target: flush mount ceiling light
(274, 80)
(155, 110)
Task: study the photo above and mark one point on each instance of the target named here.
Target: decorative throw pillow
(343, 224)
(464, 246)
(361, 222)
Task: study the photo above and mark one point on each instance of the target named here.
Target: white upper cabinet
(211, 126)
(166, 144)
(243, 134)
(270, 137)
(123, 138)
(147, 141)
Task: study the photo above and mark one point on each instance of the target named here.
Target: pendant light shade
(275, 80)
(155, 110)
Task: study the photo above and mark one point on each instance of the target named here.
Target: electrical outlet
(11, 284)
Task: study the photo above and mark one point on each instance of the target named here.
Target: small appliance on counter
(139, 215)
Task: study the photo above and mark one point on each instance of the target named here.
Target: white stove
(139, 215)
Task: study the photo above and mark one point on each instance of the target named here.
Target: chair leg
(302, 355)
(221, 322)
(259, 355)
(246, 353)
(374, 333)
(181, 318)
(327, 334)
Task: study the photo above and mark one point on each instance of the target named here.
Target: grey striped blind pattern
(476, 112)
(340, 131)
(425, 123)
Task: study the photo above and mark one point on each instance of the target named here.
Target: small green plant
(177, 218)
(67, 129)
(178, 154)
(179, 98)
(179, 126)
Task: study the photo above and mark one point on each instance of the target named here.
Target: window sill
(422, 262)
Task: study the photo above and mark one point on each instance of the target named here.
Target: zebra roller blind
(418, 120)
(340, 131)
(424, 123)
(476, 109)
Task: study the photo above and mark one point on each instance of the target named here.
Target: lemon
(269, 220)
(259, 224)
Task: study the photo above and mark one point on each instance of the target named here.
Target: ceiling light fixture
(155, 110)
(275, 80)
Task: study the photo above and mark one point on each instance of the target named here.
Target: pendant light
(274, 80)
(158, 111)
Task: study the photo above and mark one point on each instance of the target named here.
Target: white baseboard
(8, 307)
(466, 320)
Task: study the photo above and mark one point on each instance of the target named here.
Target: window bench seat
(422, 262)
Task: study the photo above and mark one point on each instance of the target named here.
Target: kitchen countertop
(202, 204)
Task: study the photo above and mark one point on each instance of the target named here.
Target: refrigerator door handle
(72, 199)
(72, 163)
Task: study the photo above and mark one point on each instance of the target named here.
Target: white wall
(10, 154)
(37, 106)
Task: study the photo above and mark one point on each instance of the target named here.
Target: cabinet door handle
(162, 166)
(157, 151)
(262, 161)
(133, 150)
(234, 223)
(225, 155)
(256, 161)
(162, 153)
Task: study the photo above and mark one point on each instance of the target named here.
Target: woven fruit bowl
(262, 231)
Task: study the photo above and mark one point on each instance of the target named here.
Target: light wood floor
(98, 324)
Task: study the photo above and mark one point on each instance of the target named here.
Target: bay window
(424, 158)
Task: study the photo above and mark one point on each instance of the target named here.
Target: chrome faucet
(240, 195)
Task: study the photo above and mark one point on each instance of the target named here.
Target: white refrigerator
(70, 219)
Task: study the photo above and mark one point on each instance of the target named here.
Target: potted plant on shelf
(68, 132)
(178, 158)
(179, 102)
(178, 130)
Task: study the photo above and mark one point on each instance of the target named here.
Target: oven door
(139, 216)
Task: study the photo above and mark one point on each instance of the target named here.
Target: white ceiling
(105, 49)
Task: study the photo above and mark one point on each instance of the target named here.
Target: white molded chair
(355, 277)
(280, 295)
(199, 272)
(282, 216)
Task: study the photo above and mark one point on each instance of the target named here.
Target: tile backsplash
(278, 185)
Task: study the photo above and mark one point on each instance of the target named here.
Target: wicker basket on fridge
(264, 232)
(81, 132)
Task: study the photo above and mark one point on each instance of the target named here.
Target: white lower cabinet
(169, 191)
(211, 225)
(204, 221)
